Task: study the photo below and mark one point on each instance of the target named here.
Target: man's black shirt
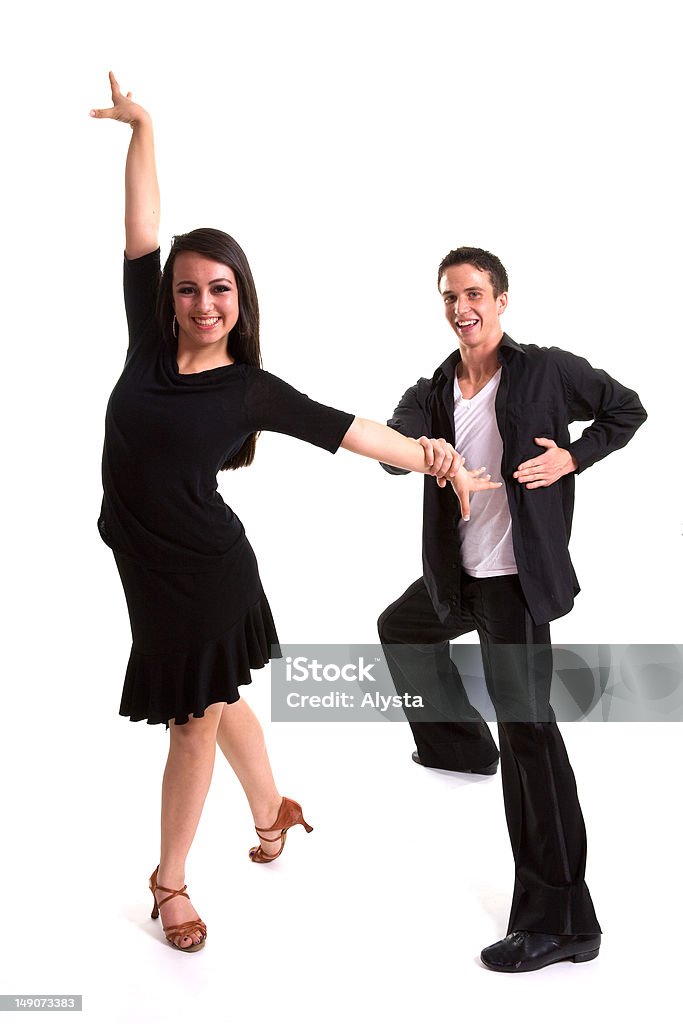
(541, 391)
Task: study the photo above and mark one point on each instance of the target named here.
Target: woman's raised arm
(142, 188)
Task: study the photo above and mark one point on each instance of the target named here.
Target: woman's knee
(199, 730)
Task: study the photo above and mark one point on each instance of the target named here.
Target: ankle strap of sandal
(173, 892)
(258, 832)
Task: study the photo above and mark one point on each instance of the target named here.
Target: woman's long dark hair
(243, 341)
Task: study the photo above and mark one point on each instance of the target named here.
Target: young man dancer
(505, 572)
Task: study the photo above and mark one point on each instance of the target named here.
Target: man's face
(470, 306)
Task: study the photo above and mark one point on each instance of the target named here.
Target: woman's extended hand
(448, 466)
(123, 109)
(469, 481)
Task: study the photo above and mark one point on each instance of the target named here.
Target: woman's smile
(206, 323)
(206, 302)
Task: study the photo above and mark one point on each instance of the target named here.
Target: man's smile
(465, 325)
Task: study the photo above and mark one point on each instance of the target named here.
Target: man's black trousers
(544, 817)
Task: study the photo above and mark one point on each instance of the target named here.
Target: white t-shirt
(486, 541)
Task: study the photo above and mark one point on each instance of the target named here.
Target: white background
(348, 148)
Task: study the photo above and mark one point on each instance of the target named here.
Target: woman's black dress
(199, 617)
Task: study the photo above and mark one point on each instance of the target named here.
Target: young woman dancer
(190, 401)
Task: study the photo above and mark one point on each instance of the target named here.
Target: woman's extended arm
(142, 189)
(365, 437)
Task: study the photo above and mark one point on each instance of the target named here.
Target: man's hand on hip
(546, 469)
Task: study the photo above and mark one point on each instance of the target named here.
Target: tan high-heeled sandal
(177, 931)
(290, 813)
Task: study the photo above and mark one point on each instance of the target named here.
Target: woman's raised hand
(142, 187)
(123, 109)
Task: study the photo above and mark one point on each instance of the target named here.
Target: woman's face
(205, 300)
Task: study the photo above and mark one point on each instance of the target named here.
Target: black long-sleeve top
(541, 391)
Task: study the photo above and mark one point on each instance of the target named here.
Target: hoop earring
(174, 327)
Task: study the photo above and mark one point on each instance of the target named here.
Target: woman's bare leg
(240, 737)
(187, 777)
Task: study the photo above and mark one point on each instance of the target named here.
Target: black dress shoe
(490, 769)
(529, 951)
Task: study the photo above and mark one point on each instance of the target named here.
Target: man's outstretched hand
(442, 458)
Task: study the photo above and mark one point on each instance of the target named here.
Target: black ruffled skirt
(196, 636)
